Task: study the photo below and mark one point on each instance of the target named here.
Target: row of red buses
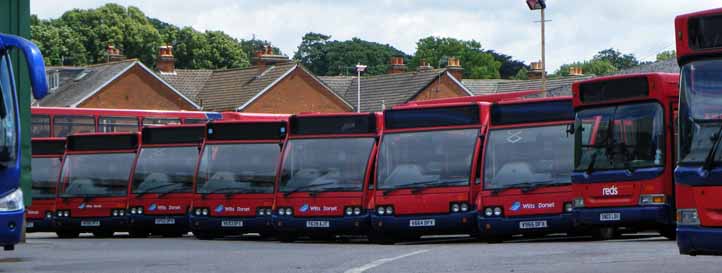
(698, 175)
(624, 154)
(322, 186)
(62, 122)
(47, 158)
(235, 178)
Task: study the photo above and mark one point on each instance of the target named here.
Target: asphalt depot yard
(648, 253)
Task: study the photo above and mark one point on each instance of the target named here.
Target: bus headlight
(687, 217)
(568, 207)
(464, 207)
(488, 212)
(12, 201)
(349, 210)
(497, 211)
(579, 202)
(455, 207)
(380, 210)
(48, 215)
(357, 211)
(652, 199)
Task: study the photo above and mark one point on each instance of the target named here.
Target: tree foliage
(616, 58)
(324, 56)
(666, 55)
(477, 63)
(594, 67)
(510, 68)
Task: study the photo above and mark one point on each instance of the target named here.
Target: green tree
(60, 44)
(509, 67)
(593, 67)
(477, 63)
(521, 74)
(616, 58)
(666, 55)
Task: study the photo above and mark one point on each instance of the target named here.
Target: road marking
(378, 262)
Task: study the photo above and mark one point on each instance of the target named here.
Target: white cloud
(577, 31)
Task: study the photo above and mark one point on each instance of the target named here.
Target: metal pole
(358, 92)
(543, 57)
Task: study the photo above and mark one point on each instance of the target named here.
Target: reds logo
(610, 191)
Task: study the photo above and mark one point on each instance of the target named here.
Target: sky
(578, 28)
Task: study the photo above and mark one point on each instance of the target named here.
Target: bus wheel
(322, 237)
(669, 232)
(266, 234)
(9, 247)
(286, 237)
(204, 235)
(103, 234)
(67, 234)
(378, 237)
(605, 233)
(173, 234)
(138, 234)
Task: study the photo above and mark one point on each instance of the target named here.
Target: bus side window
(40, 126)
(161, 121)
(117, 124)
(67, 125)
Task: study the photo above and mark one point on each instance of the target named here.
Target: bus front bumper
(448, 223)
(231, 225)
(694, 240)
(11, 223)
(39, 225)
(91, 224)
(348, 225)
(536, 224)
(635, 217)
(159, 223)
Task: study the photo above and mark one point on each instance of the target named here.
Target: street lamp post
(359, 68)
(541, 5)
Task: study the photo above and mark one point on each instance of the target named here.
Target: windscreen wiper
(542, 185)
(512, 186)
(709, 161)
(412, 186)
(314, 193)
(436, 184)
(300, 188)
(150, 190)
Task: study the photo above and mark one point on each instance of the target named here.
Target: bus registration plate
(164, 221)
(318, 224)
(231, 223)
(532, 224)
(613, 216)
(422, 223)
(30, 224)
(89, 223)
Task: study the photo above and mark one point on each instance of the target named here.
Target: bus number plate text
(532, 224)
(165, 221)
(89, 223)
(230, 223)
(317, 224)
(614, 216)
(422, 223)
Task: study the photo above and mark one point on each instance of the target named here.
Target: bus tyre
(378, 237)
(669, 232)
(286, 237)
(173, 234)
(138, 234)
(204, 235)
(67, 234)
(9, 247)
(103, 234)
(605, 233)
(266, 234)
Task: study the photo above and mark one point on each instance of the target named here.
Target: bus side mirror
(570, 129)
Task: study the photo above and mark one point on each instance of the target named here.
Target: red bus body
(427, 170)
(322, 188)
(161, 188)
(698, 173)
(242, 203)
(62, 121)
(526, 187)
(89, 198)
(624, 153)
(47, 161)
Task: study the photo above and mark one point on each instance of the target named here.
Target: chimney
(166, 62)
(114, 54)
(424, 66)
(536, 71)
(453, 65)
(397, 65)
(576, 71)
(266, 57)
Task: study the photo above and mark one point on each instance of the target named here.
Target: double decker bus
(46, 163)
(235, 178)
(427, 171)
(527, 165)
(93, 186)
(12, 209)
(161, 188)
(698, 175)
(63, 121)
(323, 184)
(623, 159)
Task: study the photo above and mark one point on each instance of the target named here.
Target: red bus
(93, 188)
(527, 165)
(623, 161)
(46, 163)
(427, 171)
(235, 178)
(323, 184)
(161, 188)
(699, 174)
(61, 122)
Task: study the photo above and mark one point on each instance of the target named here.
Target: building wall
(137, 89)
(440, 89)
(297, 93)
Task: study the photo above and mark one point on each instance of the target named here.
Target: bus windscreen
(96, 174)
(221, 171)
(165, 170)
(45, 176)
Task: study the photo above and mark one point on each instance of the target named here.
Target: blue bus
(12, 209)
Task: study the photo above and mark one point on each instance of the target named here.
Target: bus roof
(480, 98)
(48, 146)
(625, 88)
(696, 35)
(534, 110)
(174, 134)
(102, 141)
(121, 112)
(229, 130)
(347, 123)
